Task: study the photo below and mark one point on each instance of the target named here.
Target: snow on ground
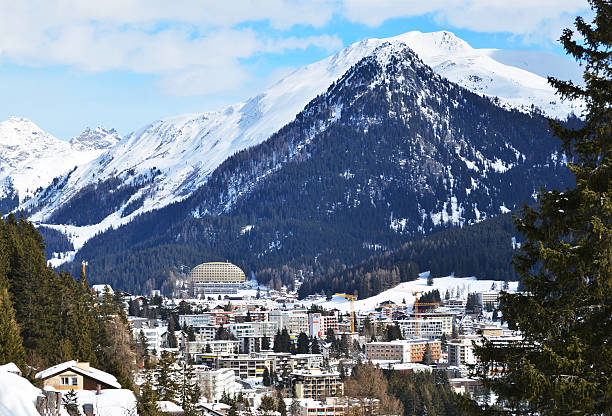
(111, 402)
(17, 396)
(457, 286)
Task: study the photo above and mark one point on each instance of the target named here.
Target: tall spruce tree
(564, 364)
(188, 389)
(11, 344)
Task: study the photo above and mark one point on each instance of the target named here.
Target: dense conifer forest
(47, 318)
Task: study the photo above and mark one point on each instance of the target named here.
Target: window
(68, 381)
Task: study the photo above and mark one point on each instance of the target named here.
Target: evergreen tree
(281, 405)
(266, 377)
(147, 397)
(11, 344)
(427, 355)
(315, 348)
(188, 390)
(564, 363)
(268, 404)
(69, 401)
(302, 344)
(166, 377)
(265, 343)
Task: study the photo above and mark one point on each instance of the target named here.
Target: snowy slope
(458, 287)
(182, 151)
(517, 78)
(30, 158)
(17, 396)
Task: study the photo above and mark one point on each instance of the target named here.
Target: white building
(485, 299)
(293, 321)
(461, 351)
(195, 320)
(447, 317)
(254, 329)
(421, 328)
(213, 383)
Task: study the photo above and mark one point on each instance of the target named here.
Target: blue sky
(69, 64)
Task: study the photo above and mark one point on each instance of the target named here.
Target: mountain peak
(98, 139)
(20, 131)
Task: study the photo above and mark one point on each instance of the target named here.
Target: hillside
(391, 152)
(168, 160)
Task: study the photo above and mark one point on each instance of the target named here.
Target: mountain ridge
(392, 151)
(184, 150)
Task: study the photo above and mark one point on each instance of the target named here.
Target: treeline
(55, 241)
(47, 318)
(397, 392)
(484, 250)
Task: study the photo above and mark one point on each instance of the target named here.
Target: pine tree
(427, 355)
(302, 343)
(188, 390)
(281, 405)
(11, 344)
(147, 397)
(265, 343)
(268, 404)
(564, 364)
(166, 377)
(266, 377)
(69, 401)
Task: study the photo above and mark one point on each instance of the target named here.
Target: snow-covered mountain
(390, 152)
(31, 158)
(167, 160)
(98, 139)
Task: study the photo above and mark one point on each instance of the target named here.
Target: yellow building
(73, 375)
(216, 277)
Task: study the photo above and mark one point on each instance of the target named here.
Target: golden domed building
(216, 277)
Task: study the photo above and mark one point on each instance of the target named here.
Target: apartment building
(195, 320)
(405, 350)
(461, 351)
(254, 329)
(446, 316)
(213, 383)
(485, 299)
(318, 324)
(316, 384)
(421, 328)
(294, 322)
(247, 365)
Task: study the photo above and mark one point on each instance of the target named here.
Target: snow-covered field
(17, 396)
(459, 287)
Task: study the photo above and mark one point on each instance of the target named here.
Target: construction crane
(416, 309)
(84, 263)
(352, 299)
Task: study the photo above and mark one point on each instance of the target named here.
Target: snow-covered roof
(118, 402)
(167, 407)
(72, 365)
(10, 368)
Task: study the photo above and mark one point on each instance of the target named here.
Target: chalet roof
(93, 373)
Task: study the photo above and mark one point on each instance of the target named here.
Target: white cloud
(531, 20)
(199, 46)
(195, 47)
